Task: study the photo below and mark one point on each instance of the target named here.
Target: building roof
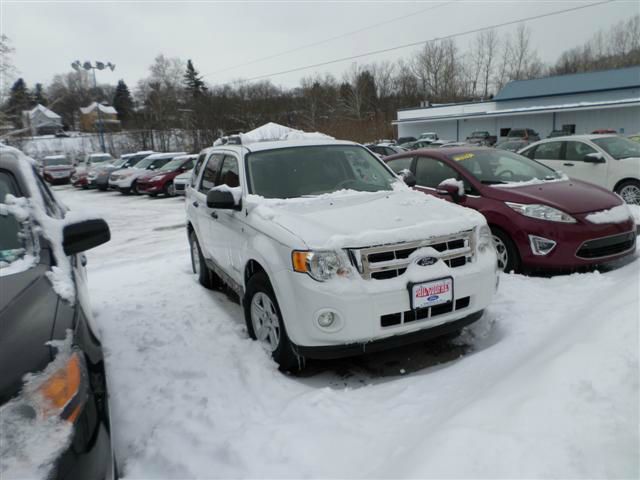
(620, 78)
(103, 109)
(628, 102)
(44, 110)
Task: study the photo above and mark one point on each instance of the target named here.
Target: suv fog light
(326, 319)
(329, 321)
(540, 245)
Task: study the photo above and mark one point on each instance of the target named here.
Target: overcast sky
(48, 36)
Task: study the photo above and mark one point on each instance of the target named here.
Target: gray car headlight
(321, 265)
(541, 212)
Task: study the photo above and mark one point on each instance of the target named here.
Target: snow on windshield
(18, 250)
(30, 440)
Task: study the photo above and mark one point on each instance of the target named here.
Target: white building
(41, 120)
(577, 103)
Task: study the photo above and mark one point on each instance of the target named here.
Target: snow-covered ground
(546, 385)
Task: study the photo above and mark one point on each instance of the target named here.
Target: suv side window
(431, 172)
(229, 172)
(577, 151)
(210, 174)
(400, 164)
(548, 151)
(196, 169)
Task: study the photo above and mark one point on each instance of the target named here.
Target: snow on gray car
(331, 254)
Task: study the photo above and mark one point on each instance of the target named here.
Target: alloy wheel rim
(631, 194)
(195, 257)
(501, 251)
(265, 322)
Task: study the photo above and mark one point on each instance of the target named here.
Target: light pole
(98, 66)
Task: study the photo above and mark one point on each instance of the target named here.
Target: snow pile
(618, 214)
(31, 440)
(459, 184)
(272, 131)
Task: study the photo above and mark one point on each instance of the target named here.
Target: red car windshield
(500, 166)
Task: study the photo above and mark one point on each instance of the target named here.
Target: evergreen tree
(193, 82)
(123, 102)
(18, 101)
(39, 96)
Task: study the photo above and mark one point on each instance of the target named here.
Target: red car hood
(571, 196)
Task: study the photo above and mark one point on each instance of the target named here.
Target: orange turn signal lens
(61, 387)
(299, 260)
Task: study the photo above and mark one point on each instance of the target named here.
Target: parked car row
(144, 172)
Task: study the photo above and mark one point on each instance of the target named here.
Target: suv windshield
(500, 166)
(50, 161)
(618, 147)
(307, 171)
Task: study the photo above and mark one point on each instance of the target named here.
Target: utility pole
(98, 66)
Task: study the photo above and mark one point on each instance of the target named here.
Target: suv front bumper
(364, 308)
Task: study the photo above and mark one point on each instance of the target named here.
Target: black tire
(134, 188)
(629, 190)
(503, 240)
(168, 190)
(125, 191)
(153, 194)
(284, 354)
(205, 276)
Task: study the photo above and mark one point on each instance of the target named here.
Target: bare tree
(436, 66)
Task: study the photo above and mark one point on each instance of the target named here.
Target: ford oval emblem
(426, 261)
(433, 298)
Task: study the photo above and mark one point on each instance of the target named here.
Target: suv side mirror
(81, 236)
(595, 157)
(222, 199)
(408, 177)
(446, 188)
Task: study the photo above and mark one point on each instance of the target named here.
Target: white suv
(330, 252)
(610, 161)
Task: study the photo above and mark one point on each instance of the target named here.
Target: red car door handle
(568, 164)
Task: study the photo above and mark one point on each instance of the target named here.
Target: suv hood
(570, 196)
(350, 219)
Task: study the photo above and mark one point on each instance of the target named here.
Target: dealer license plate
(428, 294)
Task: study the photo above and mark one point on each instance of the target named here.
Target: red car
(161, 180)
(56, 169)
(540, 219)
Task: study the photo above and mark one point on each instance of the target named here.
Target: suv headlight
(321, 265)
(485, 239)
(541, 212)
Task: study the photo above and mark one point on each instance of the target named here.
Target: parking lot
(546, 384)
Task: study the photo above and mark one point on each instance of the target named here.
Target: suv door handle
(214, 214)
(195, 204)
(568, 164)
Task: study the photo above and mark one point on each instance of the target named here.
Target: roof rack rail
(228, 140)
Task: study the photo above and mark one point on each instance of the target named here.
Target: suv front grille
(399, 318)
(389, 261)
(605, 247)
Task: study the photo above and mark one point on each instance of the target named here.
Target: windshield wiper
(491, 182)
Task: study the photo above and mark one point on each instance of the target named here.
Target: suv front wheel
(264, 322)
(205, 276)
